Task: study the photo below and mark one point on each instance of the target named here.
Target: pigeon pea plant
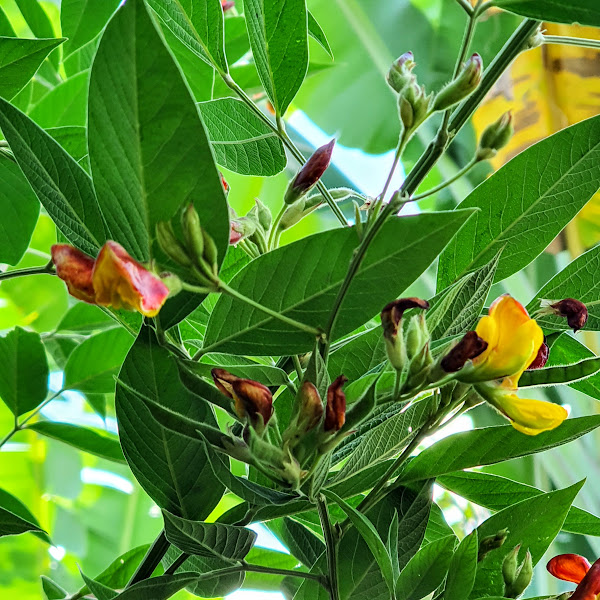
(293, 385)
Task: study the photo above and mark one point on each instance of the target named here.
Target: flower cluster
(113, 279)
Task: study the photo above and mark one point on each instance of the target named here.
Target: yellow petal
(530, 416)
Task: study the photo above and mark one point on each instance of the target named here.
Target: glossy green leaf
(24, 372)
(99, 590)
(240, 140)
(82, 438)
(579, 279)
(426, 570)
(11, 524)
(463, 568)
(198, 28)
(226, 542)
(63, 187)
(583, 12)
(437, 527)
(13, 505)
(20, 59)
(319, 264)
(149, 152)
(20, 209)
(72, 138)
(52, 590)
(495, 492)
(170, 467)
(533, 523)
(315, 31)
(526, 203)
(82, 20)
(93, 365)
(278, 32)
(490, 445)
(158, 588)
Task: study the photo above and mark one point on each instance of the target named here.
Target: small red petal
(569, 567)
(75, 269)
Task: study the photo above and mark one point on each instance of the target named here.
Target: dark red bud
(542, 357)
(311, 172)
(234, 235)
(575, 312)
(471, 346)
(227, 4)
(311, 406)
(589, 588)
(224, 381)
(391, 315)
(335, 411)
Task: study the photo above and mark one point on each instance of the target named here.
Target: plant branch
(464, 4)
(331, 547)
(152, 559)
(47, 269)
(288, 572)
(571, 41)
(446, 183)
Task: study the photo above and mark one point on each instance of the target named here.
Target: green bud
(172, 282)
(192, 231)
(165, 236)
(400, 73)
(308, 412)
(293, 214)
(524, 577)
(413, 106)
(264, 215)
(465, 83)
(510, 567)
(492, 542)
(211, 253)
(357, 219)
(495, 137)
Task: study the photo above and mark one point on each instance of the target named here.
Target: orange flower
(113, 279)
(575, 568)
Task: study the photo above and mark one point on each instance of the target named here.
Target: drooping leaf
(12, 524)
(20, 59)
(63, 187)
(240, 140)
(319, 264)
(215, 540)
(584, 12)
(490, 445)
(24, 372)
(526, 203)
(463, 568)
(82, 438)
(152, 154)
(52, 590)
(533, 523)
(20, 209)
(13, 505)
(278, 32)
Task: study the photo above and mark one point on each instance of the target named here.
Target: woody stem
(47, 269)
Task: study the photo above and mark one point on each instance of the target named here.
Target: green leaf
(560, 374)
(216, 540)
(495, 492)
(200, 29)
(170, 467)
(426, 570)
(533, 523)
(82, 20)
(81, 438)
(319, 264)
(300, 540)
(579, 279)
(151, 155)
(278, 32)
(100, 591)
(359, 355)
(490, 445)
(437, 527)
(13, 505)
(20, 208)
(245, 368)
(526, 203)
(63, 187)
(158, 588)
(583, 12)
(93, 365)
(24, 372)
(315, 32)
(371, 536)
(237, 43)
(240, 140)
(11, 524)
(52, 590)
(463, 568)
(72, 138)
(20, 59)
(36, 18)
(85, 318)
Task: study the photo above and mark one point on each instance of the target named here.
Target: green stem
(399, 150)
(272, 313)
(47, 269)
(288, 572)
(152, 559)
(446, 183)
(298, 367)
(464, 4)
(571, 41)
(275, 227)
(9, 435)
(177, 563)
(331, 548)
(397, 383)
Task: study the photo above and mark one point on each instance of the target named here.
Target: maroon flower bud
(575, 312)
(391, 315)
(469, 347)
(310, 173)
(227, 4)
(335, 411)
(311, 407)
(589, 588)
(223, 182)
(251, 398)
(542, 357)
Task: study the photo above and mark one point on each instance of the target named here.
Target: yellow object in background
(549, 88)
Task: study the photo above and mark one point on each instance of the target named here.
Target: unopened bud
(169, 244)
(264, 215)
(469, 347)
(492, 542)
(574, 311)
(210, 252)
(235, 236)
(335, 411)
(310, 173)
(569, 567)
(192, 231)
(223, 181)
(510, 566)
(516, 577)
(400, 73)
(311, 406)
(227, 4)
(172, 282)
(542, 357)
(413, 106)
(252, 399)
(495, 137)
(465, 83)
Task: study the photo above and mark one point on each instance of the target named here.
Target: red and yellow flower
(577, 569)
(113, 279)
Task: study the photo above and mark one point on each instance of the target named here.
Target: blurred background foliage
(93, 509)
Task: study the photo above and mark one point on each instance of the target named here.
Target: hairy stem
(47, 269)
(331, 548)
(446, 183)
(572, 41)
